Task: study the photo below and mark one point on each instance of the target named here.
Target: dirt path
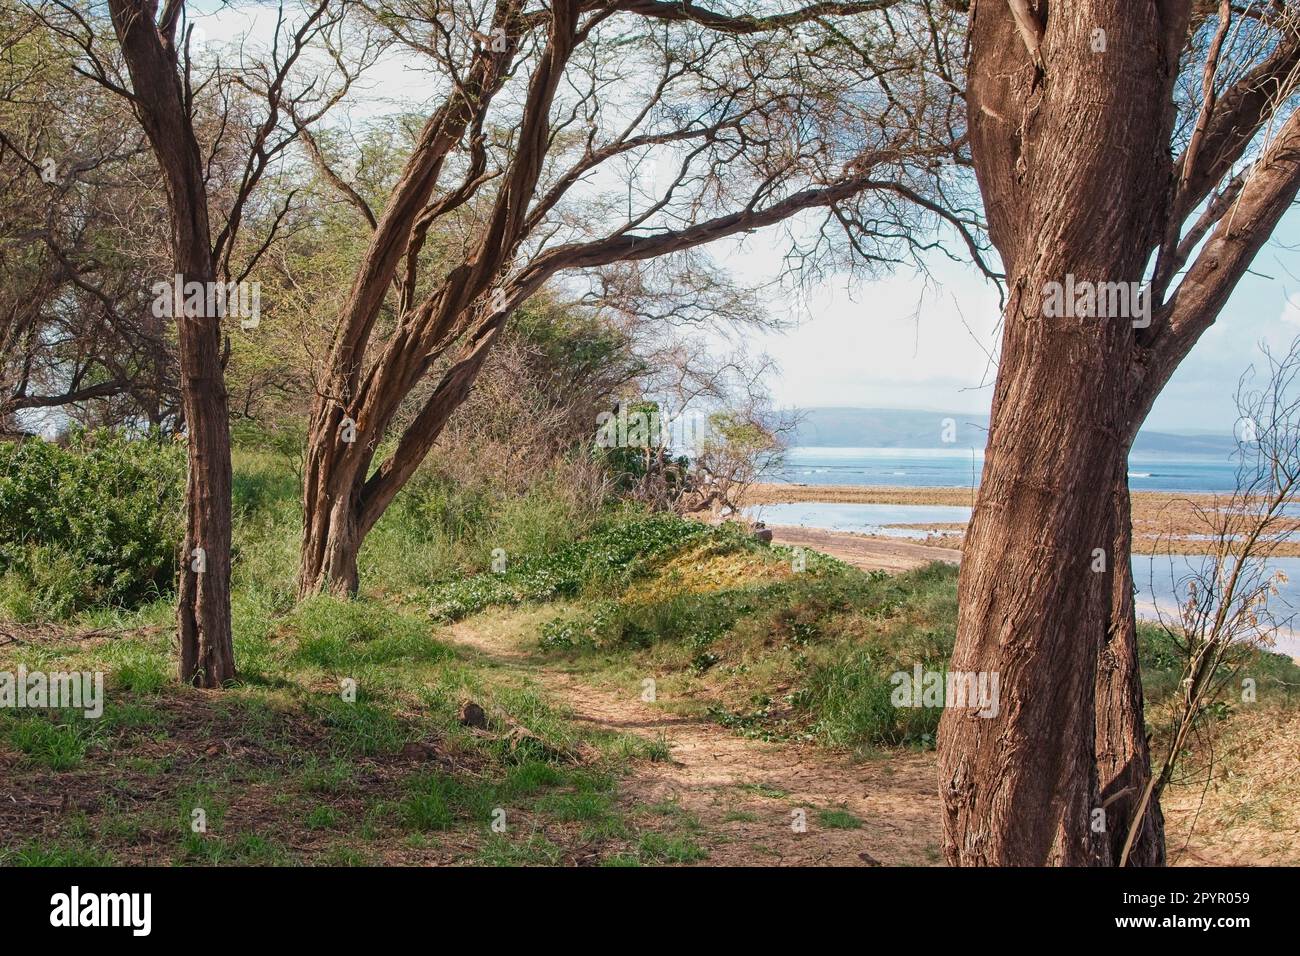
(745, 793)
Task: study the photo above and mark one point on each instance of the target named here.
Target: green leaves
(609, 557)
(95, 524)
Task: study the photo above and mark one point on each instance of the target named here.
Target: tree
(154, 42)
(1148, 144)
(742, 445)
(1226, 612)
(708, 124)
(77, 248)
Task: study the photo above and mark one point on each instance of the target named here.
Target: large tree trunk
(203, 601)
(331, 540)
(1123, 759)
(1072, 162)
(1019, 789)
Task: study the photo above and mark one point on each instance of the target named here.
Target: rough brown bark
(203, 598)
(333, 534)
(1122, 753)
(335, 517)
(1072, 161)
(1072, 152)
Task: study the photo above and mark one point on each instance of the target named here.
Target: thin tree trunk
(203, 601)
(207, 656)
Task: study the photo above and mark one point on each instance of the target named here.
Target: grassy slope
(282, 766)
(739, 633)
(286, 770)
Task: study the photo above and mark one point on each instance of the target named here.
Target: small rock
(418, 751)
(472, 715)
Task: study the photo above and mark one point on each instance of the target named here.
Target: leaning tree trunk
(203, 602)
(337, 458)
(341, 501)
(1067, 144)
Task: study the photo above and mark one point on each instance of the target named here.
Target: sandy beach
(1163, 523)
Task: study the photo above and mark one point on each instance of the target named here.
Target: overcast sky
(905, 341)
(867, 344)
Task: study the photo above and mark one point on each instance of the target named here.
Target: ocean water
(1161, 582)
(960, 468)
(860, 519)
(1160, 579)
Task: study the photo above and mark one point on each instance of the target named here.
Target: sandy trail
(869, 554)
(745, 793)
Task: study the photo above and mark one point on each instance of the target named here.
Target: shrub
(851, 698)
(94, 524)
(617, 550)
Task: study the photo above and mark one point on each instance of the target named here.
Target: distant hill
(905, 428)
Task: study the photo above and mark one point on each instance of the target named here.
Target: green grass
(534, 850)
(776, 655)
(347, 636)
(54, 855)
(291, 771)
(812, 655)
(435, 801)
(838, 819)
(284, 758)
(54, 746)
(248, 849)
(578, 807)
(616, 550)
(361, 728)
(138, 668)
(739, 816)
(658, 848)
(322, 818)
(763, 790)
(1162, 654)
(326, 776)
(532, 776)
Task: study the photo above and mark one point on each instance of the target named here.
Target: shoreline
(895, 556)
(1163, 522)
(873, 552)
(772, 493)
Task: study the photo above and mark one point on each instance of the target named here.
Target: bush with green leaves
(95, 524)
